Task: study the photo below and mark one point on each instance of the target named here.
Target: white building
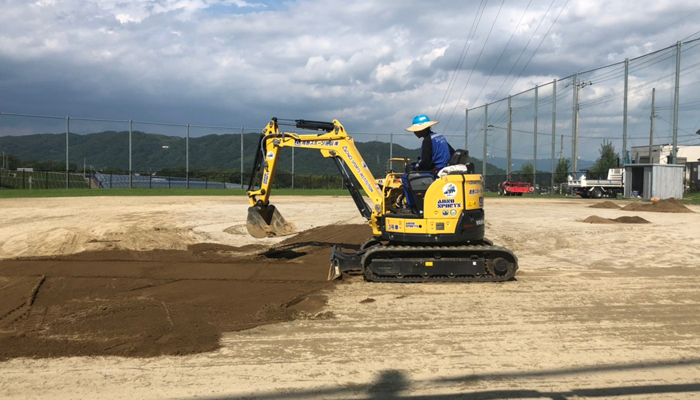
(661, 153)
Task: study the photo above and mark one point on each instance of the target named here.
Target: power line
(477, 59)
(463, 55)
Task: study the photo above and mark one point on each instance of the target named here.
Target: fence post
(293, 173)
(486, 124)
(509, 169)
(110, 181)
(534, 152)
(624, 113)
(466, 129)
(149, 180)
(187, 157)
(67, 146)
(131, 172)
(391, 146)
(554, 131)
(46, 178)
(24, 179)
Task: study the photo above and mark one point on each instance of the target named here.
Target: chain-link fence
(647, 107)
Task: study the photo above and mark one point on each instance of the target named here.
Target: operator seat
(419, 181)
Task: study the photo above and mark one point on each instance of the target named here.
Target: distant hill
(154, 152)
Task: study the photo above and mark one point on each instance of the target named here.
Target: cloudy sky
(371, 64)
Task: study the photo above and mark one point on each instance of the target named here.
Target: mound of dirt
(631, 220)
(162, 302)
(606, 204)
(594, 219)
(665, 206)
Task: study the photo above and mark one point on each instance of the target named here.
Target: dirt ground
(201, 310)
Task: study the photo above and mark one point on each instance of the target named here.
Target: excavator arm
(263, 218)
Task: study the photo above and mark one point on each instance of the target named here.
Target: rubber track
(476, 249)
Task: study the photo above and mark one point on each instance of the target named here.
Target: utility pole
(651, 125)
(674, 149)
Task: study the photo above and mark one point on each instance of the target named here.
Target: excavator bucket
(266, 221)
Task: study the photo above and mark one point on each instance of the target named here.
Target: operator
(435, 152)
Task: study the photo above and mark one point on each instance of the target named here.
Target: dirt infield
(596, 310)
(162, 302)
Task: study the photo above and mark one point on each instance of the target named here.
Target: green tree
(527, 173)
(608, 159)
(11, 162)
(562, 170)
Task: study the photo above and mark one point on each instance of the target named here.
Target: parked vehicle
(597, 188)
(509, 188)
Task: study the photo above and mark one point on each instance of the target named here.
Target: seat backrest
(459, 157)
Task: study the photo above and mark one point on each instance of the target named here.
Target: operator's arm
(426, 155)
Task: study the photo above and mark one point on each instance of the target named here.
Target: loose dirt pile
(665, 206)
(594, 219)
(606, 204)
(162, 302)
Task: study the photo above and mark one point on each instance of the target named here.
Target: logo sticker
(449, 190)
(270, 155)
(445, 213)
(453, 212)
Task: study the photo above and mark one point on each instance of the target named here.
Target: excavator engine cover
(266, 221)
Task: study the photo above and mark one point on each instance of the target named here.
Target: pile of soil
(163, 302)
(665, 206)
(606, 204)
(632, 220)
(594, 219)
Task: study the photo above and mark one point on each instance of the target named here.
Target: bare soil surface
(161, 302)
(596, 310)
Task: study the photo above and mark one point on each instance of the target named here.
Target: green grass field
(689, 198)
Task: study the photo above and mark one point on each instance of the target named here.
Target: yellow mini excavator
(439, 238)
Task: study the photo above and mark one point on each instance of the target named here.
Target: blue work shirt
(435, 153)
